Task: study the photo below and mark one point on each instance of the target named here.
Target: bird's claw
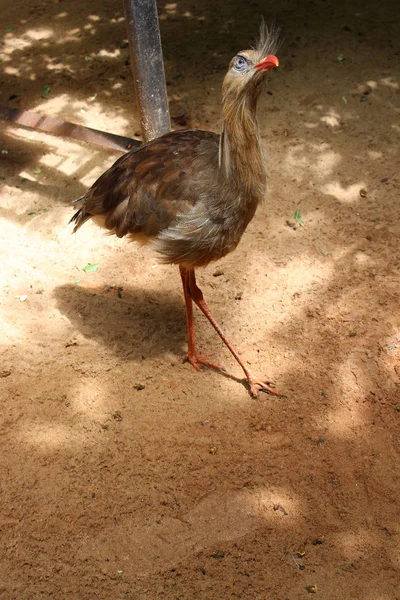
(198, 361)
(263, 385)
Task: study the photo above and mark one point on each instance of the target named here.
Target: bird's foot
(262, 385)
(200, 360)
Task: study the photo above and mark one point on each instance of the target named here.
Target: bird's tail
(80, 217)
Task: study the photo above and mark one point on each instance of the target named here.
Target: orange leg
(195, 359)
(193, 292)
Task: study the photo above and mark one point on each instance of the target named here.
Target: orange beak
(269, 62)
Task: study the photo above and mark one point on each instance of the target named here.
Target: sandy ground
(189, 488)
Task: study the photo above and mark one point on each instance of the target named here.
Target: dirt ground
(189, 488)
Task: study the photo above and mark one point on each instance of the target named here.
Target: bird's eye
(240, 63)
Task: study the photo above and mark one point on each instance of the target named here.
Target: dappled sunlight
(278, 502)
(12, 43)
(375, 155)
(9, 329)
(388, 82)
(69, 159)
(114, 54)
(325, 161)
(49, 437)
(347, 195)
(39, 34)
(355, 544)
(363, 259)
(27, 176)
(332, 118)
(349, 412)
(170, 9)
(320, 160)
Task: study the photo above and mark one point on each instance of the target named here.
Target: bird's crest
(270, 38)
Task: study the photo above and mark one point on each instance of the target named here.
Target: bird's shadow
(138, 324)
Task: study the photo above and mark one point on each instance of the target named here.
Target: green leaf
(91, 268)
(46, 91)
(340, 58)
(9, 29)
(78, 280)
(297, 216)
(36, 171)
(344, 99)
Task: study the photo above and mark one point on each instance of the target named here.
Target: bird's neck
(241, 159)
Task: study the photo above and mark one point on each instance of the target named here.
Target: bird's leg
(195, 293)
(195, 359)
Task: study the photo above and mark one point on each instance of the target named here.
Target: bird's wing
(147, 188)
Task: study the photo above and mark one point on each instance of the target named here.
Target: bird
(190, 194)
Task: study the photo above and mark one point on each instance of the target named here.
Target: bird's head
(249, 68)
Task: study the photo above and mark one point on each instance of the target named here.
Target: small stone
(138, 386)
(363, 193)
(218, 271)
(280, 508)
(218, 554)
(180, 119)
(317, 541)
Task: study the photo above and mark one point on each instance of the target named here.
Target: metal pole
(147, 66)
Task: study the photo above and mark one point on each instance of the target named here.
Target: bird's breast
(206, 233)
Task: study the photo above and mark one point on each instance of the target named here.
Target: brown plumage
(191, 194)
